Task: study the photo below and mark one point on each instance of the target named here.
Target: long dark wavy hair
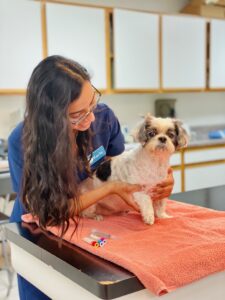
(53, 152)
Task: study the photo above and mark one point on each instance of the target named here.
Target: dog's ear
(182, 136)
(140, 133)
(148, 118)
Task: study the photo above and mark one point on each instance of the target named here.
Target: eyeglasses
(96, 98)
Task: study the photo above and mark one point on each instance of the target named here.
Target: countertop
(204, 141)
(198, 137)
(102, 278)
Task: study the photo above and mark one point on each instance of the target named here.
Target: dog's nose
(162, 139)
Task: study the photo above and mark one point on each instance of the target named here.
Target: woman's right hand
(125, 191)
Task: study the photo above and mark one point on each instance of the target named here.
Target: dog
(147, 165)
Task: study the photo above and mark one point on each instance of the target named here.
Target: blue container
(217, 134)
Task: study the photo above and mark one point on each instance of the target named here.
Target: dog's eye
(152, 133)
(171, 135)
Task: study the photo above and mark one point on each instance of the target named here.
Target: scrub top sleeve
(116, 141)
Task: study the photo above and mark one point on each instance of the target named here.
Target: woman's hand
(164, 188)
(125, 191)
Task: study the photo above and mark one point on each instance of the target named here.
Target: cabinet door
(177, 181)
(204, 155)
(183, 52)
(21, 42)
(217, 54)
(136, 50)
(204, 176)
(79, 33)
(175, 159)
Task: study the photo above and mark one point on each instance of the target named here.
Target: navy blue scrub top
(107, 141)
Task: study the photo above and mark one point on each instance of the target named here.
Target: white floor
(14, 295)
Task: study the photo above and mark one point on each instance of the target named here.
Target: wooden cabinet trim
(44, 30)
(205, 163)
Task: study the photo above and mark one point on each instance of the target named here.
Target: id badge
(97, 155)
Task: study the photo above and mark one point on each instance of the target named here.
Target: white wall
(11, 112)
(191, 108)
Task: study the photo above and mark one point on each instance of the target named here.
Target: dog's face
(163, 135)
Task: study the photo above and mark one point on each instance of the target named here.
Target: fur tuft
(182, 136)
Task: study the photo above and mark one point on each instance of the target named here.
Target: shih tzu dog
(146, 165)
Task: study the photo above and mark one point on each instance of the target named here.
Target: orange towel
(167, 255)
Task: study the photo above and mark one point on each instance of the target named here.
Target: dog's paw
(149, 219)
(99, 218)
(164, 216)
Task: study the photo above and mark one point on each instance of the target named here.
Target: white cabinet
(204, 171)
(177, 181)
(175, 159)
(21, 42)
(136, 50)
(217, 54)
(204, 155)
(183, 52)
(204, 176)
(79, 33)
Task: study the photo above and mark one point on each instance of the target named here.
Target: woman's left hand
(164, 188)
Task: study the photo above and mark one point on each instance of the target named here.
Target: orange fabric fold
(167, 255)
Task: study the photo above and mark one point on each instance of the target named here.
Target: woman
(64, 136)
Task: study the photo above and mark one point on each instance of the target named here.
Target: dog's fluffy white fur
(146, 165)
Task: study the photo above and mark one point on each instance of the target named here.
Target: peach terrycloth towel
(164, 256)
